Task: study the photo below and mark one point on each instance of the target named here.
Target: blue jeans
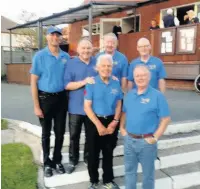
(139, 151)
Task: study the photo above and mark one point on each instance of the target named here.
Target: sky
(12, 9)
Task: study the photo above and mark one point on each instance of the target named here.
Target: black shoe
(59, 168)
(48, 171)
(70, 168)
(94, 186)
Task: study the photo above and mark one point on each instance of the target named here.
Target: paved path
(17, 104)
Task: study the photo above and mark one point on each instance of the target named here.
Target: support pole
(40, 35)
(135, 19)
(11, 47)
(90, 22)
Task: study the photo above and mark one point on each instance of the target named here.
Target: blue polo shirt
(120, 65)
(49, 69)
(104, 96)
(144, 111)
(155, 66)
(76, 70)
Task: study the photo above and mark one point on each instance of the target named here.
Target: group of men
(98, 87)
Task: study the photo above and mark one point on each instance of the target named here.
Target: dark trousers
(75, 127)
(54, 109)
(97, 143)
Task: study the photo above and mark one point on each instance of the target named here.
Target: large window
(95, 29)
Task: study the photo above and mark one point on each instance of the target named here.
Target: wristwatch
(116, 120)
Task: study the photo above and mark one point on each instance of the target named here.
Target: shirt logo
(152, 67)
(64, 60)
(115, 63)
(114, 91)
(145, 100)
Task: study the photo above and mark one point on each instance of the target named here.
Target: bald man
(146, 112)
(155, 65)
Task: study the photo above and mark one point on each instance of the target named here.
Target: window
(95, 29)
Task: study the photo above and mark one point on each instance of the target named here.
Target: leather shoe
(48, 171)
(70, 168)
(59, 168)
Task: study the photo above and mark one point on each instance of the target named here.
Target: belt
(50, 94)
(140, 136)
(105, 117)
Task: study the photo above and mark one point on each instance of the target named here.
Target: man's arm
(162, 85)
(34, 91)
(130, 85)
(124, 84)
(122, 124)
(89, 112)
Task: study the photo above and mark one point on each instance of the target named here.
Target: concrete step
(190, 155)
(165, 143)
(179, 177)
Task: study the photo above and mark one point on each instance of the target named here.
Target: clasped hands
(102, 130)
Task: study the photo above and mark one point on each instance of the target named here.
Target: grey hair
(110, 35)
(102, 57)
(143, 39)
(143, 67)
(84, 39)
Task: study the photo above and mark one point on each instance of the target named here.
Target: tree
(28, 37)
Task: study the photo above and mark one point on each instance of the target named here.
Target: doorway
(182, 11)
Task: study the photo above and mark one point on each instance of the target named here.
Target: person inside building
(154, 25)
(78, 72)
(49, 97)
(117, 29)
(147, 116)
(170, 20)
(155, 65)
(64, 42)
(191, 18)
(103, 108)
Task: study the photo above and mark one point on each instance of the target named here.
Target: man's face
(110, 44)
(144, 48)
(141, 77)
(105, 68)
(153, 23)
(54, 39)
(85, 50)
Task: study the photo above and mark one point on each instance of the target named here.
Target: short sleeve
(130, 72)
(125, 67)
(163, 108)
(88, 92)
(68, 76)
(162, 72)
(36, 65)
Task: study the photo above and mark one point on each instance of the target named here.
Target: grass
(17, 168)
(4, 124)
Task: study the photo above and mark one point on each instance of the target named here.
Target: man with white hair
(155, 65)
(144, 119)
(78, 72)
(190, 17)
(102, 105)
(120, 62)
(170, 20)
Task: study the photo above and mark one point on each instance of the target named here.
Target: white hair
(103, 57)
(143, 67)
(112, 35)
(169, 11)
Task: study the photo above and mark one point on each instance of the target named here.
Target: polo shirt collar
(91, 58)
(100, 80)
(61, 53)
(149, 60)
(135, 91)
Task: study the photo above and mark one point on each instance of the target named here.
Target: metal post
(11, 47)
(40, 35)
(135, 19)
(90, 22)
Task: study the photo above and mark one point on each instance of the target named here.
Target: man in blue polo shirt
(155, 65)
(79, 71)
(144, 119)
(120, 62)
(49, 97)
(103, 107)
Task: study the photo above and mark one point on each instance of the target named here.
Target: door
(106, 26)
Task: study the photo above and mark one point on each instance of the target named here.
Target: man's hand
(89, 80)
(38, 112)
(102, 130)
(111, 127)
(123, 132)
(150, 140)
(115, 78)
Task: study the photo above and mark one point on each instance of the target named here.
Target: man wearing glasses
(155, 65)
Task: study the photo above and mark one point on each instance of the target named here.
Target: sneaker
(94, 186)
(111, 185)
(70, 168)
(48, 171)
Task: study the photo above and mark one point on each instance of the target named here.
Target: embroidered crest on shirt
(145, 100)
(115, 62)
(152, 67)
(114, 91)
(64, 60)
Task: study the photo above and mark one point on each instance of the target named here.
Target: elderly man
(191, 18)
(146, 112)
(120, 62)
(155, 65)
(49, 97)
(79, 71)
(103, 108)
(170, 20)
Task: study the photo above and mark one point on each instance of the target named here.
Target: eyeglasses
(144, 46)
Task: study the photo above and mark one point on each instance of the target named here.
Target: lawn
(4, 124)
(17, 168)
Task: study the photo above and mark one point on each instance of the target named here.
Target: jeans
(139, 151)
